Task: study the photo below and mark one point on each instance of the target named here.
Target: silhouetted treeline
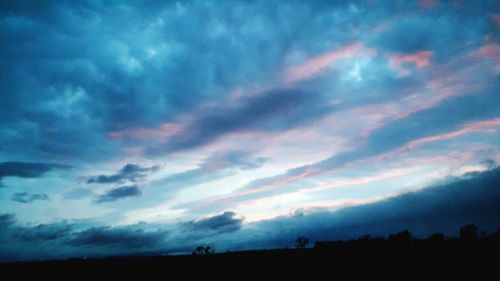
(469, 252)
(468, 234)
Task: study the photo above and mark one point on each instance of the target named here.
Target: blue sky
(176, 121)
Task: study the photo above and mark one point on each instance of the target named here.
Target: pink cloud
(315, 65)
(428, 4)
(488, 51)
(390, 174)
(165, 131)
(436, 92)
(420, 59)
(443, 87)
(266, 187)
(384, 26)
(496, 18)
(466, 129)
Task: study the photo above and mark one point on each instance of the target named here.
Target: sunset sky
(129, 126)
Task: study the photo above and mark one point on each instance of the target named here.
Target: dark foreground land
(400, 257)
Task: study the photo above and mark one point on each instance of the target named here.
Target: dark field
(395, 256)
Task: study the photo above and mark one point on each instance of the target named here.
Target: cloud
(23, 197)
(315, 65)
(187, 79)
(77, 193)
(119, 193)
(217, 165)
(488, 51)
(437, 32)
(225, 222)
(419, 59)
(27, 169)
(428, 4)
(165, 131)
(122, 238)
(290, 180)
(397, 123)
(129, 172)
(78, 102)
(466, 129)
(7, 219)
(437, 208)
(496, 18)
(270, 111)
(71, 239)
(443, 207)
(44, 232)
(240, 159)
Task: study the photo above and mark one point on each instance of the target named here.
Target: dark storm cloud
(472, 198)
(73, 239)
(98, 68)
(225, 222)
(119, 193)
(7, 219)
(27, 169)
(271, 111)
(44, 232)
(440, 208)
(23, 197)
(124, 238)
(129, 172)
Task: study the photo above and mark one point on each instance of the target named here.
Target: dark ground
(477, 259)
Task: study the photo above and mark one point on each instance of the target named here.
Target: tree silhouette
(401, 237)
(469, 232)
(301, 242)
(436, 237)
(209, 250)
(200, 250)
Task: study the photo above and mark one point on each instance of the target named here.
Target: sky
(157, 126)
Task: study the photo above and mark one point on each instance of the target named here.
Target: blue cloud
(129, 172)
(119, 193)
(121, 238)
(44, 232)
(225, 222)
(27, 169)
(274, 111)
(215, 166)
(472, 198)
(23, 197)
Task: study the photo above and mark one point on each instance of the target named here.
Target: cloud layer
(472, 198)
